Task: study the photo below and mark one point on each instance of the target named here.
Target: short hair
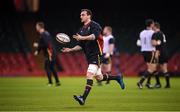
(109, 28)
(148, 22)
(157, 25)
(89, 12)
(40, 24)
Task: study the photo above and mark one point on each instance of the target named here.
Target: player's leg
(149, 80)
(151, 61)
(117, 70)
(166, 74)
(146, 74)
(158, 83)
(52, 67)
(103, 70)
(148, 83)
(48, 71)
(92, 70)
(107, 71)
(164, 69)
(105, 77)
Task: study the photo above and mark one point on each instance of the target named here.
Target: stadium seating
(130, 64)
(17, 64)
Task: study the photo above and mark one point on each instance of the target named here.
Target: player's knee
(92, 70)
(89, 75)
(151, 68)
(164, 68)
(99, 77)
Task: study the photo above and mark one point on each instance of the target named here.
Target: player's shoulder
(160, 32)
(145, 31)
(46, 33)
(95, 24)
(111, 36)
(108, 37)
(142, 32)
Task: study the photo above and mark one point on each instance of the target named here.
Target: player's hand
(35, 44)
(36, 53)
(66, 50)
(77, 37)
(157, 54)
(107, 55)
(158, 42)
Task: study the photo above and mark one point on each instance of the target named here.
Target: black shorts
(106, 60)
(94, 59)
(163, 58)
(149, 57)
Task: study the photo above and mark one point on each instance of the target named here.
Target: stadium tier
(74, 64)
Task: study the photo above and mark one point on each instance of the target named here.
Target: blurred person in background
(108, 51)
(148, 52)
(46, 45)
(159, 41)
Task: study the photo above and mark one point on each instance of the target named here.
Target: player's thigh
(46, 65)
(91, 71)
(164, 67)
(108, 67)
(163, 58)
(149, 57)
(103, 68)
(99, 75)
(52, 64)
(152, 67)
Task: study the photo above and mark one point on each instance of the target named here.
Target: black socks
(87, 88)
(145, 75)
(167, 78)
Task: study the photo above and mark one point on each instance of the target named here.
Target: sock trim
(88, 85)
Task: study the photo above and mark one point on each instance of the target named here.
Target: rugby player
(89, 41)
(47, 46)
(148, 52)
(159, 41)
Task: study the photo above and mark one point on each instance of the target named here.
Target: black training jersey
(91, 47)
(47, 46)
(160, 36)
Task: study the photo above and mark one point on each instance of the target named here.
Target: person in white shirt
(148, 52)
(108, 49)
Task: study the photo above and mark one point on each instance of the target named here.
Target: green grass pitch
(32, 94)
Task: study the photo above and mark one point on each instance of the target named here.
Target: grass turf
(32, 94)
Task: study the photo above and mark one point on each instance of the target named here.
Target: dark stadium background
(127, 18)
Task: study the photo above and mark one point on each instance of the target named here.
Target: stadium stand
(15, 56)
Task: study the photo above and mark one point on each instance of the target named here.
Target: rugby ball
(62, 38)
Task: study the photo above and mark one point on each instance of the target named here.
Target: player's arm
(38, 46)
(155, 41)
(111, 48)
(138, 43)
(95, 32)
(157, 53)
(76, 48)
(89, 37)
